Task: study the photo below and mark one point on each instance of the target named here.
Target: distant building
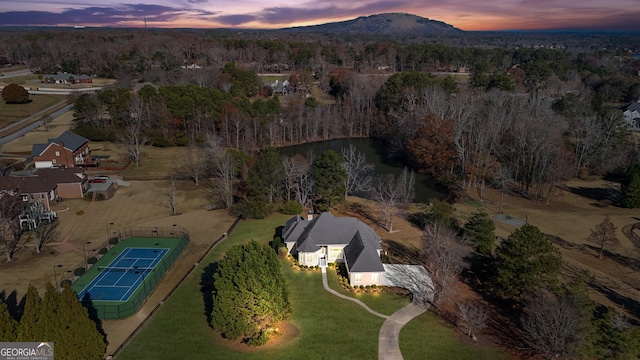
(67, 150)
(66, 78)
(631, 114)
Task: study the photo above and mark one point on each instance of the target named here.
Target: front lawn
(329, 327)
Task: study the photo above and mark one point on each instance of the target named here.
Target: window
(53, 161)
(25, 198)
(375, 278)
(42, 196)
(357, 278)
(57, 153)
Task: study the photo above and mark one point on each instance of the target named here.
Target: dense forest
(534, 114)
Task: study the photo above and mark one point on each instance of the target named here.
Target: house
(631, 114)
(281, 88)
(65, 78)
(30, 189)
(68, 150)
(326, 238)
(72, 183)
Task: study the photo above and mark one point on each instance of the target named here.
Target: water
(374, 150)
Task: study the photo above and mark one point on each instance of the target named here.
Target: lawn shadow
(631, 305)
(602, 196)
(207, 289)
(15, 307)
(397, 253)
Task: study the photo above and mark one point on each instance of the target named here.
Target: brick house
(30, 189)
(67, 150)
(72, 183)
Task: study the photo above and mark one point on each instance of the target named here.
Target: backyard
(322, 326)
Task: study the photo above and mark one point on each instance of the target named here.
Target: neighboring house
(71, 183)
(31, 189)
(65, 78)
(68, 150)
(281, 88)
(631, 114)
(326, 238)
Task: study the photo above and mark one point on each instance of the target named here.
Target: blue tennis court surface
(122, 277)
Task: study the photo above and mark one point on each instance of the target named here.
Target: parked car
(97, 181)
(102, 177)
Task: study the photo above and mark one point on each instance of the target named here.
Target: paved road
(15, 73)
(33, 126)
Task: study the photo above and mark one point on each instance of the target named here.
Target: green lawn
(330, 327)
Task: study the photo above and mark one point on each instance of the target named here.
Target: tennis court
(119, 279)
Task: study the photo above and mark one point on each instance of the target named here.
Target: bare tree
(386, 195)
(358, 171)
(171, 195)
(41, 223)
(224, 174)
(192, 163)
(554, 326)
(445, 258)
(299, 180)
(10, 209)
(501, 178)
(133, 140)
(604, 235)
(473, 316)
(406, 184)
(46, 122)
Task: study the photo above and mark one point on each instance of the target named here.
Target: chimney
(310, 215)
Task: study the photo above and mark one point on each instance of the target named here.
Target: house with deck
(67, 150)
(317, 241)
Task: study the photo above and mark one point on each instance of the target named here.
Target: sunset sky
(464, 14)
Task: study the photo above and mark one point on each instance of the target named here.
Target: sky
(470, 15)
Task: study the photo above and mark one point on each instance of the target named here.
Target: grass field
(10, 113)
(327, 325)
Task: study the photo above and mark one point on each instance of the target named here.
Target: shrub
(291, 208)
(103, 251)
(113, 241)
(78, 271)
(65, 282)
(80, 212)
(283, 251)
(92, 260)
(14, 94)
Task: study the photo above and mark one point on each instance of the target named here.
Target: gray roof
(326, 229)
(65, 76)
(361, 256)
(634, 106)
(71, 141)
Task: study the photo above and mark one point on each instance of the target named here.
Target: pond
(374, 150)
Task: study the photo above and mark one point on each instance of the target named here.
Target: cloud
(97, 15)
(197, 1)
(234, 20)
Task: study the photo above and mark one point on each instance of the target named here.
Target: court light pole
(86, 264)
(108, 230)
(55, 277)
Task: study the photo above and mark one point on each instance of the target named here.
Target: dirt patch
(287, 332)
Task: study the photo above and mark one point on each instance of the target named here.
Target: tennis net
(124, 269)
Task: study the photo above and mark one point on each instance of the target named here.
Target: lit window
(25, 198)
(375, 278)
(357, 278)
(57, 153)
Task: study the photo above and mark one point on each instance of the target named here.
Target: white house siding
(308, 258)
(364, 278)
(335, 253)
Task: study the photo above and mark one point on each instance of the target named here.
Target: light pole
(86, 264)
(108, 232)
(55, 277)
(174, 230)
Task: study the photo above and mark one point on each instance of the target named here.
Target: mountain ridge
(382, 24)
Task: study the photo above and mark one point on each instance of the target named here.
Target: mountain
(383, 24)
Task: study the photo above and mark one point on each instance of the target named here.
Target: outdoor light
(108, 232)
(85, 253)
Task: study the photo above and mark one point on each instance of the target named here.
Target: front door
(322, 260)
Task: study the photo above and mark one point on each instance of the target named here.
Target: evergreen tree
(329, 174)
(77, 336)
(631, 187)
(525, 260)
(48, 322)
(29, 328)
(481, 231)
(8, 325)
(266, 177)
(250, 294)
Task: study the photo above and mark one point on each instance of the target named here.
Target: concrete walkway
(389, 336)
(325, 283)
